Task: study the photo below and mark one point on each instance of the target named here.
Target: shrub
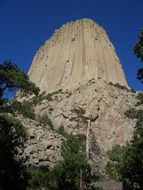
(37, 99)
(121, 87)
(62, 131)
(82, 141)
(133, 113)
(132, 90)
(37, 178)
(45, 120)
(140, 99)
(25, 108)
(67, 174)
(111, 83)
(78, 110)
(12, 138)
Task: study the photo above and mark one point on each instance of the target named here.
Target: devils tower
(86, 94)
(77, 52)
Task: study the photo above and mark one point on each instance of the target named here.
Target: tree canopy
(12, 133)
(12, 78)
(12, 138)
(126, 163)
(138, 50)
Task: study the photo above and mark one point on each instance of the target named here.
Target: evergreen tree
(12, 132)
(126, 163)
(73, 172)
(12, 78)
(12, 138)
(138, 50)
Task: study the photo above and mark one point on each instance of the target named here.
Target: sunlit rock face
(76, 53)
(80, 60)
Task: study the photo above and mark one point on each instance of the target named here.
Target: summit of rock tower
(76, 53)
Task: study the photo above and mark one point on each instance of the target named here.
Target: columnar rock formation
(80, 60)
(76, 52)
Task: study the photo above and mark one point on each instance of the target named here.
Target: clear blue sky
(26, 24)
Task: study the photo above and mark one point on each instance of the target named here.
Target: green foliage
(140, 99)
(67, 174)
(134, 114)
(132, 90)
(62, 131)
(94, 146)
(138, 48)
(80, 114)
(112, 168)
(131, 113)
(12, 138)
(78, 110)
(12, 133)
(82, 141)
(45, 120)
(126, 163)
(37, 99)
(25, 108)
(121, 87)
(111, 83)
(12, 78)
(37, 178)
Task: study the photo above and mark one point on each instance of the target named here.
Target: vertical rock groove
(77, 52)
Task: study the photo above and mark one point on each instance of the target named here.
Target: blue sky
(26, 24)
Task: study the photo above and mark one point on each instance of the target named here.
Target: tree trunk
(87, 140)
(80, 188)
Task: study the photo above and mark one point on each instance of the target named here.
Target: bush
(78, 110)
(12, 138)
(132, 90)
(121, 87)
(62, 131)
(45, 120)
(37, 99)
(111, 83)
(82, 141)
(140, 99)
(25, 108)
(134, 114)
(37, 178)
(73, 170)
(12, 79)
(126, 163)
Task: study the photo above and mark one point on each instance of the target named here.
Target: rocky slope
(101, 103)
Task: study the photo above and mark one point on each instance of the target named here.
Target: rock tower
(77, 52)
(80, 60)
